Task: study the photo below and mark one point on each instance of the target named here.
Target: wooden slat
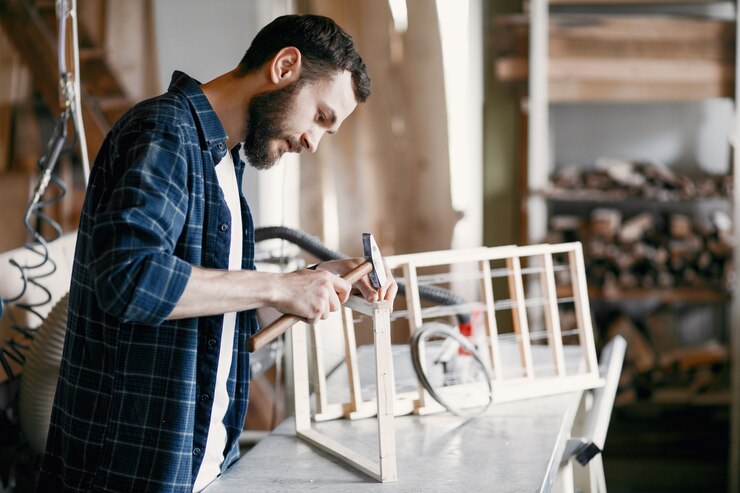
(623, 58)
(552, 315)
(635, 70)
(385, 394)
(350, 361)
(341, 452)
(582, 308)
(620, 36)
(519, 314)
(301, 390)
(596, 91)
(325, 411)
(491, 325)
(413, 305)
(630, 80)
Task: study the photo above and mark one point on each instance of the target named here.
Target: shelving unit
(661, 58)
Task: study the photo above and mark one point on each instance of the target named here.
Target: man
(152, 392)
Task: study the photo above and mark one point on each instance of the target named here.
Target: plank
(552, 315)
(301, 389)
(385, 392)
(341, 452)
(490, 321)
(582, 309)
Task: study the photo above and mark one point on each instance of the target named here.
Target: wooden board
(623, 58)
(384, 470)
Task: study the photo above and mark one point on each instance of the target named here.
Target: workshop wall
(390, 161)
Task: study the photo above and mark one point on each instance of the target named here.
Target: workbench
(515, 446)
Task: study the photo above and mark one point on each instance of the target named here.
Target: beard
(266, 122)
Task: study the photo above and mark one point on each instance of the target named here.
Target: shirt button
(196, 451)
(220, 146)
(212, 343)
(224, 227)
(204, 398)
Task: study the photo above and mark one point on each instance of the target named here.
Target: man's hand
(310, 294)
(364, 286)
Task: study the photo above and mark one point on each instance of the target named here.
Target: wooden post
(357, 407)
(301, 393)
(552, 314)
(519, 312)
(385, 391)
(413, 303)
(583, 311)
(491, 325)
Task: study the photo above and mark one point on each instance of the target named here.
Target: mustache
(294, 145)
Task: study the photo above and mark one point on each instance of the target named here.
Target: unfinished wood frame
(519, 381)
(528, 384)
(525, 383)
(384, 469)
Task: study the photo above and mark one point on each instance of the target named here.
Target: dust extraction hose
(315, 247)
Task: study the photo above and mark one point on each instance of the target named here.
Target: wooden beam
(622, 58)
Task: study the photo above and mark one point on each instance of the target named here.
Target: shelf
(689, 295)
(679, 397)
(623, 58)
(610, 56)
(616, 196)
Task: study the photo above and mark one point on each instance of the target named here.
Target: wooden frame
(526, 383)
(385, 469)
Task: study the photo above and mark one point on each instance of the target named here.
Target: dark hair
(325, 49)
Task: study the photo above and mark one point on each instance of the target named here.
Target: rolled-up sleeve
(136, 274)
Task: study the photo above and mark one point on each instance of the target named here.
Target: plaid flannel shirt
(134, 394)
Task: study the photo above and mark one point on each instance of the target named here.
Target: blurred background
(491, 122)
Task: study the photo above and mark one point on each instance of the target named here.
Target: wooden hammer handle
(279, 326)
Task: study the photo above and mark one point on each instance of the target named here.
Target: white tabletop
(514, 447)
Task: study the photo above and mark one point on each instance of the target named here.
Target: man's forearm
(213, 292)
(309, 294)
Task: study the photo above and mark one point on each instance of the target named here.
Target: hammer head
(372, 255)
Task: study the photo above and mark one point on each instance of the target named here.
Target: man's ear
(285, 66)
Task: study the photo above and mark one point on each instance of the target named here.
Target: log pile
(618, 179)
(651, 251)
(658, 367)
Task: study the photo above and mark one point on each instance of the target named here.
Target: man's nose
(310, 140)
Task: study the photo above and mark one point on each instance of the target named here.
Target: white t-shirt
(213, 456)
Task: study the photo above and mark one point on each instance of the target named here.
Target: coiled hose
(315, 247)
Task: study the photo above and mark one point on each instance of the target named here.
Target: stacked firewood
(618, 179)
(649, 251)
(659, 366)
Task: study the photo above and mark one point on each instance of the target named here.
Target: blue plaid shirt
(134, 395)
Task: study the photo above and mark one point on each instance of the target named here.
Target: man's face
(296, 117)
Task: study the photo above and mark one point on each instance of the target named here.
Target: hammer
(373, 265)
